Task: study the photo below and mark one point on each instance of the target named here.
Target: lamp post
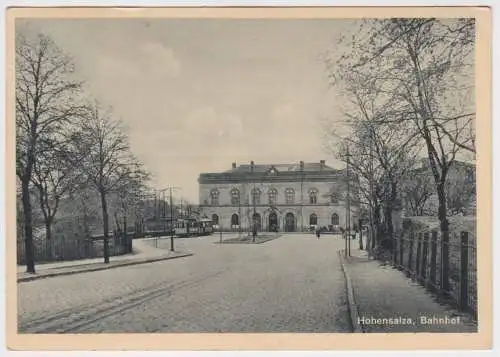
(164, 217)
(239, 214)
(172, 230)
(254, 216)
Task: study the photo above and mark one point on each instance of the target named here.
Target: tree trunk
(445, 235)
(86, 228)
(376, 228)
(360, 235)
(117, 223)
(105, 224)
(48, 229)
(28, 226)
(388, 220)
(389, 208)
(48, 237)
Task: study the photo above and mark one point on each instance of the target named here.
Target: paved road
(291, 284)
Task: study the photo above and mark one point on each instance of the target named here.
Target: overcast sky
(199, 94)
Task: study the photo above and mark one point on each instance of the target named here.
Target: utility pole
(301, 195)
(172, 230)
(370, 242)
(348, 209)
(164, 213)
(161, 202)
(254, 216)
(171, 222)
(239, 210)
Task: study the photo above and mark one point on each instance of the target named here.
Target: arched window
(273, 196)
(214, 197)
(289, 195)
(313, 196)
(335, 219)
(313, 219)
(215, 219)
(256, 196)
(235, 220)
(235, 197)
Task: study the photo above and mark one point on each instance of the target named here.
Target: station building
(278, 197)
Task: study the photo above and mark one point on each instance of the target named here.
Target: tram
(193, 227)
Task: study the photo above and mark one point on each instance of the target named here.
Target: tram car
(192, 227)
(205, 227)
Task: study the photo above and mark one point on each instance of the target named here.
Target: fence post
(424, 255)
(401, 249)
(445, 261)
(394, 244)
(464, 269)
(410, 252)
(433, 257)
(419, 254)
(360, 236)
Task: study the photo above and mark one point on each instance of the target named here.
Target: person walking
(318, 231)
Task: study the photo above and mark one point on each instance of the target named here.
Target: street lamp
(172, 218)
(172, 230)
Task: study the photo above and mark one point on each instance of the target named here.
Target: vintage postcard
(249, 178)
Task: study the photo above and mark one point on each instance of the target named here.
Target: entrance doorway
(273, 222)
(289, 222)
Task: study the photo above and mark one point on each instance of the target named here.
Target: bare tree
(129, 196)
(54, 176)
(107, 163)
(368, 175)
(417, 190)
(45, 102)
(425, 65)
(381, 151)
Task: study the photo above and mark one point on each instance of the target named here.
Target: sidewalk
(142, 253)
(383, 299)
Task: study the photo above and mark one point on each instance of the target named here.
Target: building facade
(280, 197)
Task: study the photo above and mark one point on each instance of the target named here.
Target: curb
(72, 272)
(353, 307)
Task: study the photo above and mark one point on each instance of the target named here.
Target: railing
(422, 255)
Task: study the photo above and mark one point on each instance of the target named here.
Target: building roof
(308, 166)
(309, 171)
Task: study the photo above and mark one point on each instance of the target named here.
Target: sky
(198, 94)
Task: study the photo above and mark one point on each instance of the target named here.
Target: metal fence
(63, 248)
(422, 256)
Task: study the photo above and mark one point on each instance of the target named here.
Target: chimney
(302, 166)
(322, 164)
(234, 165)
(251, 165)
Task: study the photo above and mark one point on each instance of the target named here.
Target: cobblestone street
(291, 284)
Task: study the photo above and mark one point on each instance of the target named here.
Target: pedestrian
(318, 231)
